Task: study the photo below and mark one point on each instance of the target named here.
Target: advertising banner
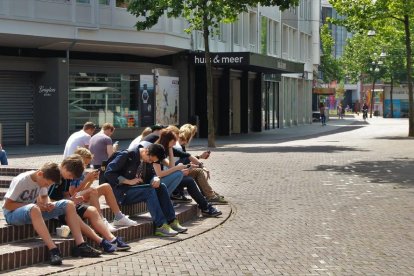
(166, 99)
(146, 100)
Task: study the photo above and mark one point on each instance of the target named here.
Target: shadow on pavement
(256, 149)
(397, 171)
(394, 138)
(273, 138)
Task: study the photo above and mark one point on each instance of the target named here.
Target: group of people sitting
(155, 169)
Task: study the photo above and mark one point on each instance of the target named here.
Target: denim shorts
(21, 215)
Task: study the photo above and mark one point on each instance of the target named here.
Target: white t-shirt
(179, 147)
(77, 139)
(24, 190)
(135, 143)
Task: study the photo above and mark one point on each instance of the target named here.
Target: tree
(364, 15)
(202, 15)
(329, 67)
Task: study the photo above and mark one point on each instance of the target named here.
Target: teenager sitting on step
(162, 157)
(121, 174)
(109, 243)
(92, 194)
(27, 202)
(185, 135)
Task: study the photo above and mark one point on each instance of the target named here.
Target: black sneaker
(55, 257)
(180, 198)
(84, 250)
(120, 244)
(211, 212)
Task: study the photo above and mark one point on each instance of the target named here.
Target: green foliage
(202, 15)
(330, 67)
(197, 12)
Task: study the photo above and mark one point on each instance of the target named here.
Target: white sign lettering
(219, 60)
(46, 91)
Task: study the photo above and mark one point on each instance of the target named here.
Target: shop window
(101, 98)
(104, 2)
(83, 1)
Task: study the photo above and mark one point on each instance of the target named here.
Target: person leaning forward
(121, 174)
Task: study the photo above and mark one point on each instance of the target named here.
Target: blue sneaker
(120, 244)
(107, 246)
(211, 212)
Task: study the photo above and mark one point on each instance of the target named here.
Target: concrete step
(25, 252)
(12, 171)
(12, 233)
(3, 192)
(5, 181)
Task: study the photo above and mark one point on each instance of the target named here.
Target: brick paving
(305, 201)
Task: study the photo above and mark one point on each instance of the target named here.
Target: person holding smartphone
(200, 174)
(101, 145)
(160, 160)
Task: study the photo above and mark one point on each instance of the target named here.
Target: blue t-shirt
(76, 182)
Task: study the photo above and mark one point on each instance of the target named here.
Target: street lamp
(375, 69)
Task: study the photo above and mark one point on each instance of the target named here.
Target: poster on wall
(146, 99)
(166, 98)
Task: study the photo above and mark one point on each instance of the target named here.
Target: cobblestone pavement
(332, 203)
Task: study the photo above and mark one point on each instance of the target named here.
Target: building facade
(340, 35)
(65, 62)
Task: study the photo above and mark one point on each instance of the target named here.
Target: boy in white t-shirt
(27, 202)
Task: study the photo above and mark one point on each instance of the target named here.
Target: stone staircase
(20, 247)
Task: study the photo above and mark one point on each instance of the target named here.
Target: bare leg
(106, 191)
(88, 231)
(97, 224)
(74, 223)
(40, 227)
(94, 200)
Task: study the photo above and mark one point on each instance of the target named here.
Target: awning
(249, 61)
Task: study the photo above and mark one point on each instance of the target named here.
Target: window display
(101, 98)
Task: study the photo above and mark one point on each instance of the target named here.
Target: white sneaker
(108, 225)
(125, 221)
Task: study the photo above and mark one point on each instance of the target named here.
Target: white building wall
(64, 22)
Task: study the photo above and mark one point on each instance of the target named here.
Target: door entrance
(270, 105)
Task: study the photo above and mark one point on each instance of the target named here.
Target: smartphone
(188, 166)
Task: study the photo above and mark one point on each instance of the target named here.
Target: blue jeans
(323, 119)
(172, 181)
(3, 157)
(158, 201)
(21, 215)
(194, 192)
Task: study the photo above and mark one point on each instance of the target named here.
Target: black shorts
(80, 210)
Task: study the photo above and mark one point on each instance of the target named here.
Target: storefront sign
(220, 59)
(46, 91)
(251, 61)
(216, 59)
